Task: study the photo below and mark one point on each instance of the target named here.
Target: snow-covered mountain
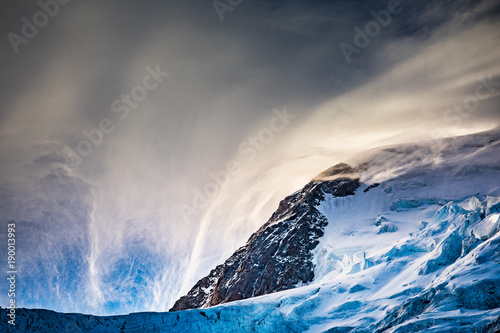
(401, 239)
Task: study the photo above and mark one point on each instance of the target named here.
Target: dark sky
(124, 216)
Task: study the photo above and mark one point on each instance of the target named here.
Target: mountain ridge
(407, 241)
(276, 257)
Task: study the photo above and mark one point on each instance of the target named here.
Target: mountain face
(279, 255)
(405, 240)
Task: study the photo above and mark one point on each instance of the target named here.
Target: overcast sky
(277, 91)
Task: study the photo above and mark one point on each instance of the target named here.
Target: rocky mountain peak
(279, 255)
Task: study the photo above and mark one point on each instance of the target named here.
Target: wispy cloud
(114, 221)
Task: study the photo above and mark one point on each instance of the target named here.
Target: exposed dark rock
(371, 186)
(279, 255)
(341, 170)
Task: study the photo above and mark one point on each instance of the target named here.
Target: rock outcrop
(279, 255)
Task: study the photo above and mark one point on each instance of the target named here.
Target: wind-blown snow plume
(114, 223)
